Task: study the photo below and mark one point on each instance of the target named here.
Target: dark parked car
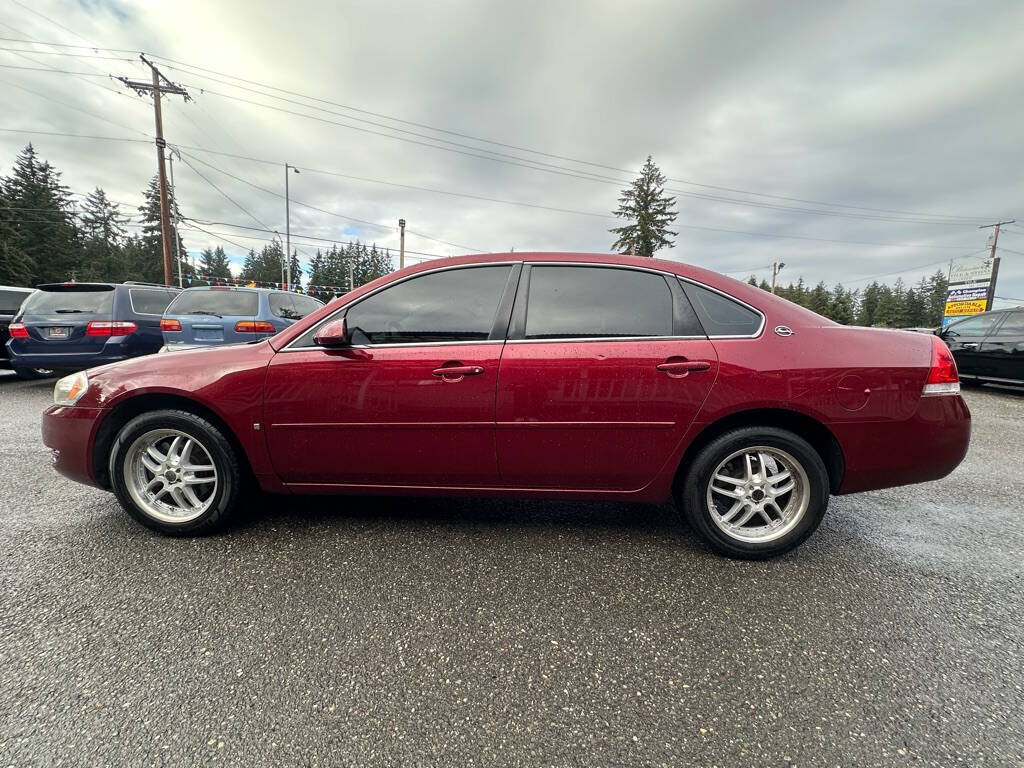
(72, 326)
(989, 346)
(209, 316)
(11, 299)
(564, 376)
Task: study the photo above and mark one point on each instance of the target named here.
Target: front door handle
(679, 368)
(969, 345)
(457, 372)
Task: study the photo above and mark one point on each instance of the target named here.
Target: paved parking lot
(345, 632)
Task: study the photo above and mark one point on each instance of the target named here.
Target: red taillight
(18, 331)
(167, 324)
(105, 328)
(943, 378)
(253, 326)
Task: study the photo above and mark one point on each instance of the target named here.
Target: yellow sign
(960, 308)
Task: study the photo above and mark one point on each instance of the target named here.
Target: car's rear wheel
(175, 472)
(755, 492)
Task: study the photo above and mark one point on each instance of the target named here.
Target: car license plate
(57, 333)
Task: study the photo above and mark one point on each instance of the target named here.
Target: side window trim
(730, 297)
(294, 346)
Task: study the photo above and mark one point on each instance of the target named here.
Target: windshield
(92, 301)
(200, 301)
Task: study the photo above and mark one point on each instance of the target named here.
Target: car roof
(16, 288)
(243, 288)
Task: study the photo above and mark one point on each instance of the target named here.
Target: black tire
(31, 374)
(215, 444)
(692, 492)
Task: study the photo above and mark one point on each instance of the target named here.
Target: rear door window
(226, 303)
(10, 301)
(1012, 326)
(305, 305)
(721, 315)
(149, 301)
(70, 301)
(570, 302)
(282, 305)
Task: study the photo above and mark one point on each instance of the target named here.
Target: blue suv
(72, 326)
(212, 315)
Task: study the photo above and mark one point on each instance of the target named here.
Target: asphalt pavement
(392, 632)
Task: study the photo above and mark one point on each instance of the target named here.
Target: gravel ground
(357, 632)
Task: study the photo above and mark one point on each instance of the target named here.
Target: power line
(62, 45)
(913, 269)
(238, 205)
(63, 134)
(534, 151)
(533, 205)
(58, 71)
(71, 106)
(66, 53)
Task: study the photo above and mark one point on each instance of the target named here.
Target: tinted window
(721, 316)
(11, 300)
(305, 304)
(70, 301)
(1012, 326)
(973, 326)
(224, 302)
(150, 302)
(281, 305)
(597, 302)
(452, 305)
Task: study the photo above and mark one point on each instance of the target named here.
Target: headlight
(68, 390)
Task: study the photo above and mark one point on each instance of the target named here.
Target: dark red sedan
(536, 375)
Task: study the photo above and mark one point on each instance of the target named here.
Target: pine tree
(149, 264)
(43, 235)
(842, 305)
(818, 299)
(650, 213)
(214, 263)
(16, 267)
(103, 235)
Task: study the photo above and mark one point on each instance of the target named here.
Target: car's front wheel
(175, 472)
(755, 492)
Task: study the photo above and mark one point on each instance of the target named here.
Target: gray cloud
(914, 106)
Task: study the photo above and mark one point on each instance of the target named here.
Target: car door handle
(682, 367)
(969, 345)
(457, 372)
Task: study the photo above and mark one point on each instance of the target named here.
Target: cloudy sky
(849, 140)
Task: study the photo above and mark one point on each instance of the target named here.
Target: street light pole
(177, 221)
(288, 229)
(401, 246)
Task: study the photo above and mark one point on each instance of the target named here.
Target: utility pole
(157, 90)
(401, 246)
(995, 261)
(288, 229)
(776, 268)
(177, 219)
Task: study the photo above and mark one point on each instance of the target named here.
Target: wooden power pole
(157, 90)
(995, 261)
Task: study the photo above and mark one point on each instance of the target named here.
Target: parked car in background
(989, 347)
(214, 315)
(11, 299)
(73, 326)
(566, 376)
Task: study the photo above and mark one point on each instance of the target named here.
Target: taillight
(166, 324)
(943, 378)
(254, 326)
(18, 331)
(105, 328)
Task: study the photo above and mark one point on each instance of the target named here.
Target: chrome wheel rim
(758, 494)
(170, 475)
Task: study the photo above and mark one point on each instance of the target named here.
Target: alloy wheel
(170, 475)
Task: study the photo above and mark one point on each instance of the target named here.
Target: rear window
(70, 301)
(215, 302)
(11, 300)
(150, 302)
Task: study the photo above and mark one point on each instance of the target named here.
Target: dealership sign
(968, 290)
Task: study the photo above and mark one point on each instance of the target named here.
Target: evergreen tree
(103, 238)
(818, 300)
(214, 262)
(149, 260)
(869, 304)
(43, 236)
(16, 268)
(650, 213)
(842, 305)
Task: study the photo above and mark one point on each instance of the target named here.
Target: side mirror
(333, 334)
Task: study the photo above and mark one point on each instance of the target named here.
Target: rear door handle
(969, 345)
(457, 372)
(683, 367)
